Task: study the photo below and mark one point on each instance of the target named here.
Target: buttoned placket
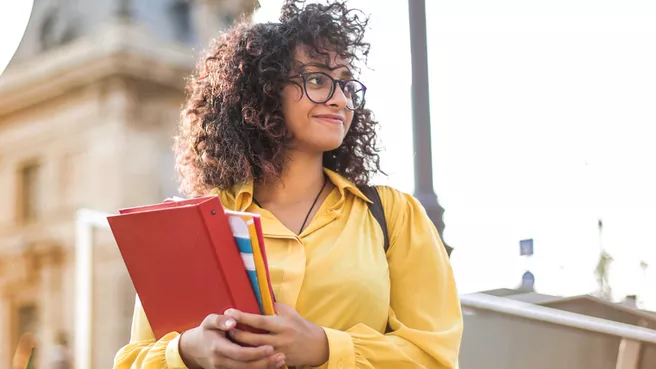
(292, 265)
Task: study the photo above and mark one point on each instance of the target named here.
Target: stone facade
(86, 123)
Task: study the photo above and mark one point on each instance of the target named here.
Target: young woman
(275, 124)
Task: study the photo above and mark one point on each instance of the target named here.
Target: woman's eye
(316, 80)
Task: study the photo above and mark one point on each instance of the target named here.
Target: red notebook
(183, 261)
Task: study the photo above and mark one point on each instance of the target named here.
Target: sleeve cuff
(341, 350)
(173, 358)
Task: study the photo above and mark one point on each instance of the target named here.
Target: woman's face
(317, 128)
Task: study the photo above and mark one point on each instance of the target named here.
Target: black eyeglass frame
(335, 82)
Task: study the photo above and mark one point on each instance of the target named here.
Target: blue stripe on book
(246, 251)
(244, 245)
(252, 276)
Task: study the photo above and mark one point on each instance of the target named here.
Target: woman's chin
(329, 146)
(317, 147)
(318, 143)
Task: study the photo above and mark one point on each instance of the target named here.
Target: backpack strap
(376, 209)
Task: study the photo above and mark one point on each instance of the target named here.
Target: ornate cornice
(120, 48)
(24, 268)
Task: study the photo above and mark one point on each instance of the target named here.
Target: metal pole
(421, 116)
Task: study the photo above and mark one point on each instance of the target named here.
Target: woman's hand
(207, 347)
(302, 342)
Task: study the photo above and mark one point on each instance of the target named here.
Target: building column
(51, 299)
(16, 290)
(5, 328)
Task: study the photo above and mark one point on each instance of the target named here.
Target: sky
(542, 123)
(13, 22)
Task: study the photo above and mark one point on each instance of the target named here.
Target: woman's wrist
(320, 347)
(184, 350)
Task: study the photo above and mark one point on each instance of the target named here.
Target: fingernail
(229, 323)
(268, 350)
(229, 312)
(280, 358)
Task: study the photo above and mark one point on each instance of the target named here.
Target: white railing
(86, 221)
(555, 316)
(632, 336)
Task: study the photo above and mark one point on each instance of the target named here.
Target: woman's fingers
(274, 362)
(224, 348)
(220, 322)
(252, 339)
(269, 323)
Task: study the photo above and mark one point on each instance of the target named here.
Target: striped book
(243, 239)
(259, 255)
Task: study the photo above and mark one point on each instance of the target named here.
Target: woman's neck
(301, 178)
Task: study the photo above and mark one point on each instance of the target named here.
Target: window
(27, 319)
(25, 330)
(181, 15)
(47, 32)
(227, 19)
(29, 187)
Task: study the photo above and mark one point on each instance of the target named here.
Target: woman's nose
(338, 99)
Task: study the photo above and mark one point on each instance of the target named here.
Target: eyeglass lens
(320, 88)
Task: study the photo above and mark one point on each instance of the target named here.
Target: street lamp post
(421, 117)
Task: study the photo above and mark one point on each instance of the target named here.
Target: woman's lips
(330, 118)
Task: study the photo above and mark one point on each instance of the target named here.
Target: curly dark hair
(232, 128)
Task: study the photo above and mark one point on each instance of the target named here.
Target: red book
(183, 261)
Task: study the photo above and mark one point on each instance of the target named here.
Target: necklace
(325, 181)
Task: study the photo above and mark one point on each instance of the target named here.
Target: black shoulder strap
(376, 209)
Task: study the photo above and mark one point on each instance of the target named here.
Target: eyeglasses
(320, 87)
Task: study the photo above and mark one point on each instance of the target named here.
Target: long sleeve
(143, 351)
(425, 318)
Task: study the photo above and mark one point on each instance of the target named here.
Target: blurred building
(87, 110)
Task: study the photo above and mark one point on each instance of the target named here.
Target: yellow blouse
(337, 275)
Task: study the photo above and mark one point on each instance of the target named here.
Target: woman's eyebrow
(346, 73)
(315, 65)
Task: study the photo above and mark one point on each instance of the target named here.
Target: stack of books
(191, 258)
